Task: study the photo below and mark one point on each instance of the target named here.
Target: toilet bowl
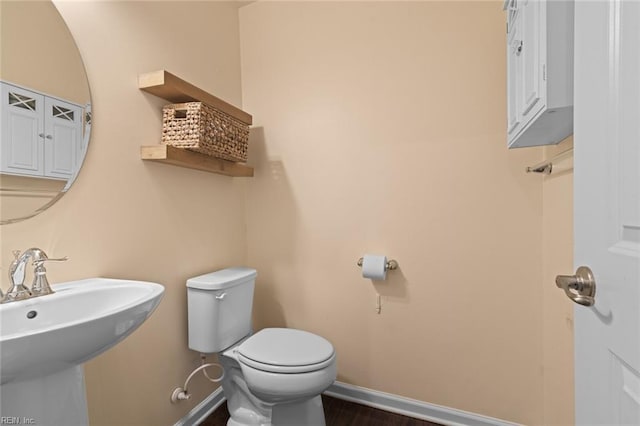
(273, 377)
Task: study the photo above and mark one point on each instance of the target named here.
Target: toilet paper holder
(390, 266)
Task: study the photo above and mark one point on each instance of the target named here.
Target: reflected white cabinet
(539, 71)
(41, 135)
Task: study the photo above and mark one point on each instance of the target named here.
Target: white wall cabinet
(41, 135)
(539, 71)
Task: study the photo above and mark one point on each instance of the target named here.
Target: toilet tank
(219, 308)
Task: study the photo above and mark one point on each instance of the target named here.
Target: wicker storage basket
(202, 128)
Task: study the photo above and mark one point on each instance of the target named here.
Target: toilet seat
(285, 350)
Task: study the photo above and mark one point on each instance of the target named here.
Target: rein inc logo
(6, 420)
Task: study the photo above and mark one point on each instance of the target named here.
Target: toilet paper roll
(374, 267)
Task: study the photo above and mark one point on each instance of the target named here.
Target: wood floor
(338, 413)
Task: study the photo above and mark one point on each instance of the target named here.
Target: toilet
(272, 377)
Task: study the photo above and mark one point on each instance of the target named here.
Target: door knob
(581, 287)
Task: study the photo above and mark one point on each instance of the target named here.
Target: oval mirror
(45, 117)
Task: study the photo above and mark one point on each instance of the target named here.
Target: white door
(607, 210)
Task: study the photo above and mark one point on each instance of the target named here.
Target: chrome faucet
(40, 286)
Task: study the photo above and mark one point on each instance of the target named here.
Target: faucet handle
(39, 262)
(40, 286)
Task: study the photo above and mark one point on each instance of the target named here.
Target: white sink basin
(81, 320)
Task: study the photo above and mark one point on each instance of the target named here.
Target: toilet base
(232, 422)
(247, 409)
(308, 412)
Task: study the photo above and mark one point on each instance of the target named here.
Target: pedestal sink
(45, 340)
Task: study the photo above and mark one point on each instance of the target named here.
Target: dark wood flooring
(338, 412)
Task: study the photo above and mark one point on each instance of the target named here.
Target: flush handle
(220, 296)
(581, 287)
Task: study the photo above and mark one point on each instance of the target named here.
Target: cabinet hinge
(544, 72)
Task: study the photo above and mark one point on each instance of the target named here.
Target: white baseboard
(203, 410)
(411, 407)
(371, 398)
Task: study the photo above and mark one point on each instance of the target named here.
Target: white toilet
(273, 377)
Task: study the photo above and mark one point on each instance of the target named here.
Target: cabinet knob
(519, 48)
(41, 135)
(49, 137)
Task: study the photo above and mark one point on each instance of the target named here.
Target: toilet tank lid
(222, 279)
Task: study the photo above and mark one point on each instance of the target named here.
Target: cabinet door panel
(514, 74)
(531, 35)
(63, 137)
(514, 65)
(21, 131)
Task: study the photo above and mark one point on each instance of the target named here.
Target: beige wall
(125, 218)
(557, 255)
(38, 52)
(380, 127)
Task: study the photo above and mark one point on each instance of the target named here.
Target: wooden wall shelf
(181, 157)
(175, 90)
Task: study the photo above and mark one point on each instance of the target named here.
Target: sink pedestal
(45, 340)
(53, 400)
